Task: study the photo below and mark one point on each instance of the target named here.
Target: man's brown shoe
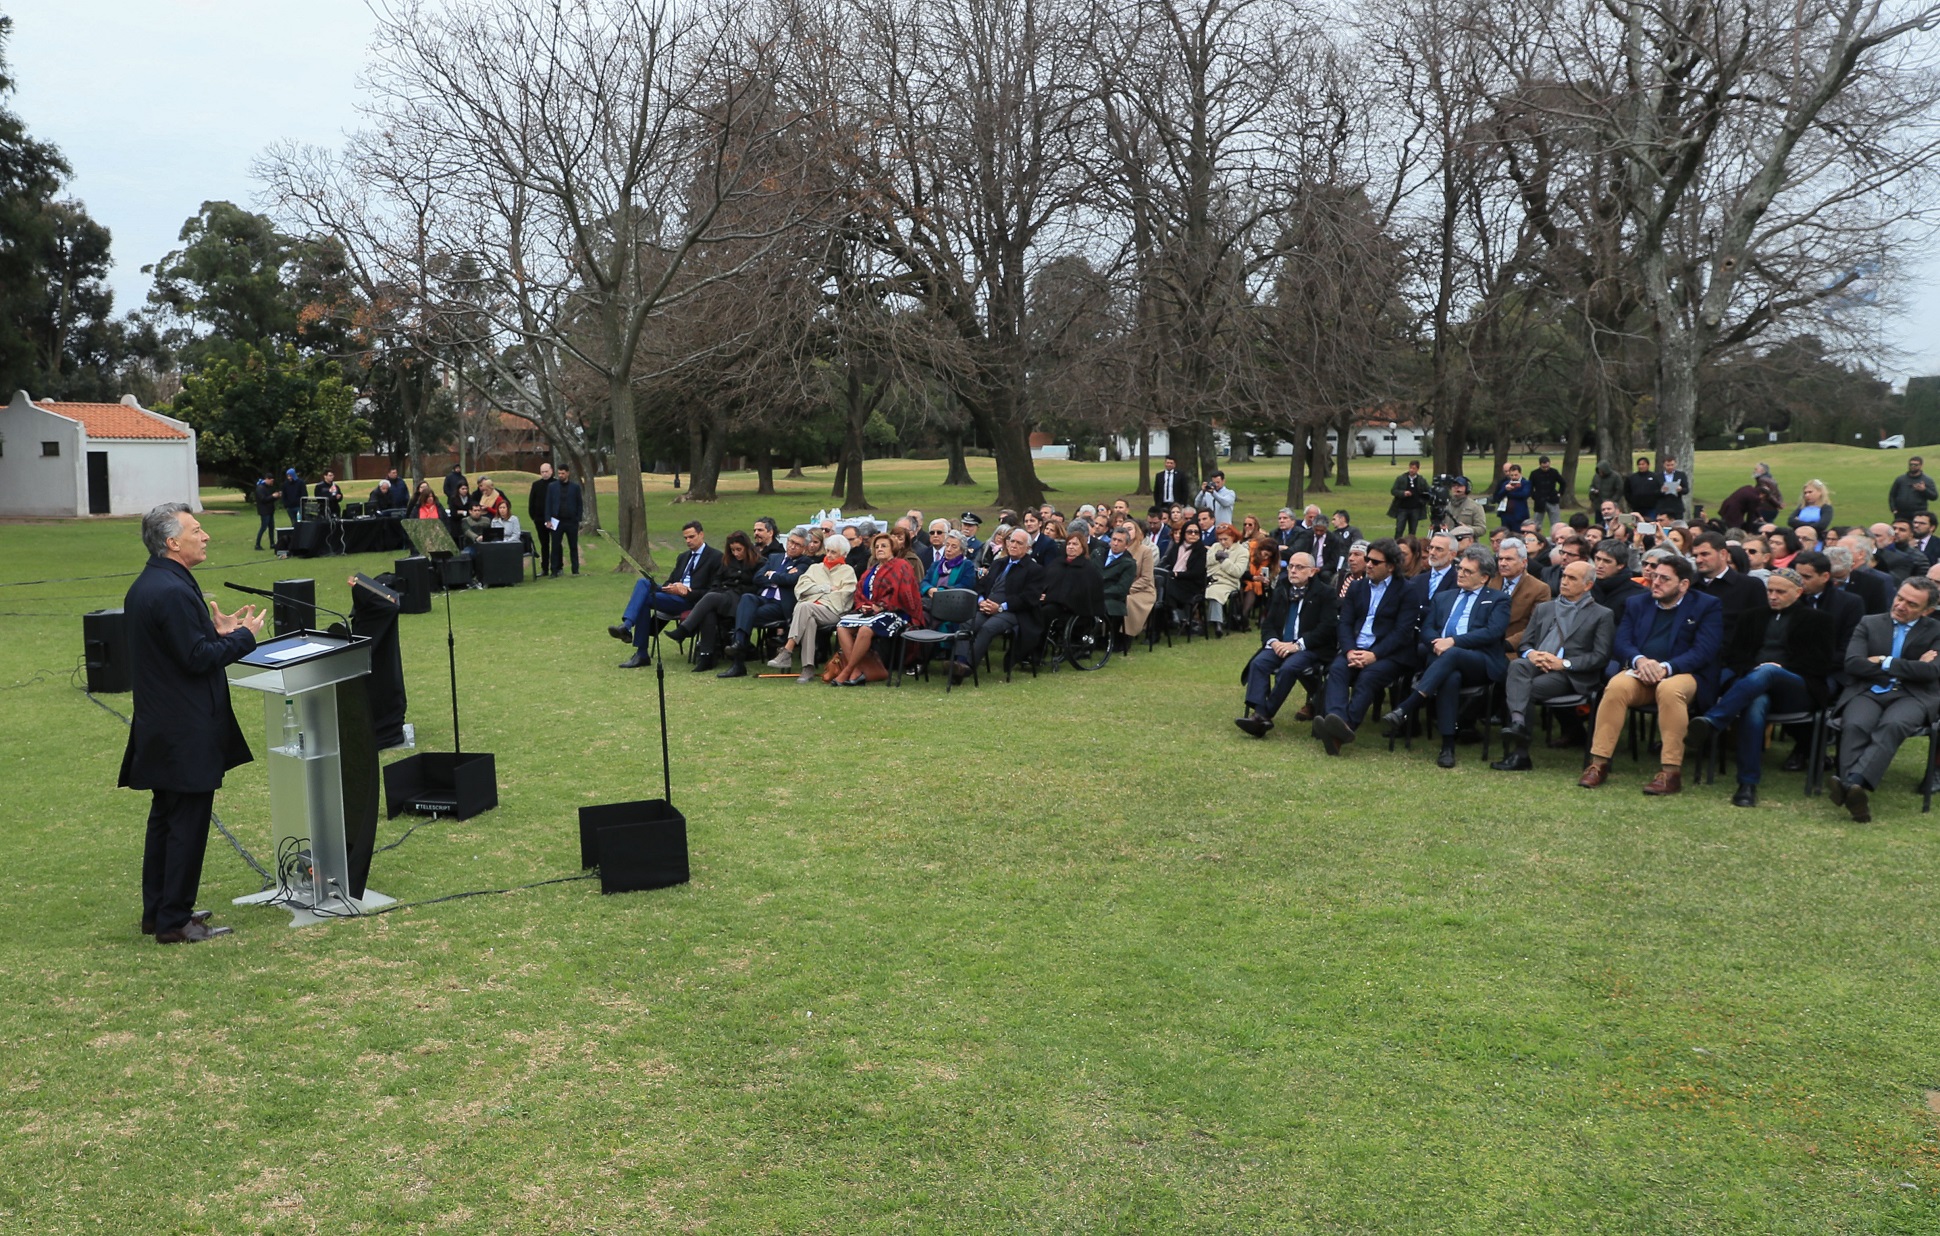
(1667, 781)
(1306, 712)
(194, 933)
(1593, 776)
(196, 916)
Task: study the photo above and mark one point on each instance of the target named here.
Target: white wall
(143, 474)
(30, 484)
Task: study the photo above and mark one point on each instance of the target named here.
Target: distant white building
(67, 459)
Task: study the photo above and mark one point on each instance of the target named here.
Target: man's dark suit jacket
(1697, 637)
(707, 564)
(1811, 651)
(1395, 622)
(535, 506)
(1118, 576)
(1902, 562)
(1319, 628)
(1746, 611)
(1846, 610)
(564, 502)
(1024, 585)
(1672, 504)
(1338, 542)
(1488, 626)
(1047, 549)
(1873, 637)
(1874, 589)
(185, 735)
(1171, 487)
(781, 571)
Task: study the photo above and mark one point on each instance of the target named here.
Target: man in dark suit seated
(1668, 643)
(692, 576)
(1375, 645)
(1008, 603)
(1893, 668)
(1563, 652)
(773, 600)
(1298, 632)
(1746, 610)
(1118, 569)
(1792, 672)
(1461, 644)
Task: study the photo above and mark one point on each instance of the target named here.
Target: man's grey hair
(1658, 554)
(1482, 558)
(1862, 555)
(161, 524)
(1840, 556)
(1313, 510)
(1513, 545)
(1288, 512)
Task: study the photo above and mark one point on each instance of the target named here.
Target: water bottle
(292, 732)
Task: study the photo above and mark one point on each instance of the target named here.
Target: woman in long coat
(1144, 593)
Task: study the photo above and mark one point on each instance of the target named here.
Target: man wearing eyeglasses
(1376, 640)
(1461, 644)
(1893, 661)
(1669, 643)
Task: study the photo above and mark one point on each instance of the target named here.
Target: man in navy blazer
(565, 507)
(688, 582)
(1461, 644)
(1378, 620)
(1669, 644)
(184, 736)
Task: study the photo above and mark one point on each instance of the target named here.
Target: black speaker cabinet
(441, 783)
(414, 584)
(296, 605)
(104, 637)
(499, 564)
(307, 538)
(452, 574)
(636, 845)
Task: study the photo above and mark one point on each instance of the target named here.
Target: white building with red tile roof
(64, 459)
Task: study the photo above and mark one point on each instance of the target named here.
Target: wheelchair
(1082, 643)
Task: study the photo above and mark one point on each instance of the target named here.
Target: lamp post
(471, 445)
(1392, 426)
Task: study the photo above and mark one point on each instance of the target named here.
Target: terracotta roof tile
(113, 420)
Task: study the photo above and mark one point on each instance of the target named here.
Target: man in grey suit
(1893, 668)
(1563, 652)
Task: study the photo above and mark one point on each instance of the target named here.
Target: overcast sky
(160, 105)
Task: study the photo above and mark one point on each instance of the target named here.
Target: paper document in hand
(301, 650)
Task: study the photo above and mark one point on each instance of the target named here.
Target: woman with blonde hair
(1814, 510)
(1227, 566)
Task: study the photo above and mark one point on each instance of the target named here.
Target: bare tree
(627, 132)
(1765, 149)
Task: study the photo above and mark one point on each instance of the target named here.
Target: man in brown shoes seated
(1668, 643)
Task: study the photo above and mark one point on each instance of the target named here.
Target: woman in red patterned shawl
(886, 601)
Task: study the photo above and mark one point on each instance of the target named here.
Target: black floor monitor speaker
(104, 638)
(442, 783)
(414, 585)
(453, 574)
(636, 845)
(307, 538)
(499, 564)
(295, 605)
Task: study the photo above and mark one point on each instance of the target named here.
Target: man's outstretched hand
(249, 618)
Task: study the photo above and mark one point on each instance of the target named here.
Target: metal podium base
(305, 913)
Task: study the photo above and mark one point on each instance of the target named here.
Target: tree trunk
(795, 473)
(630, 517)
(1572, 455)
(841, 473)
(1144, 460)
(959, 473)
(1297, 472)
(1239, 447)
(764, 469)
(849, 487)
(993, 409)
(1344, 451)
(707, 446)
(1677, 360)
(1316, 459)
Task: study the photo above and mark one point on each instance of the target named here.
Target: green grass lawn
(1064, 954)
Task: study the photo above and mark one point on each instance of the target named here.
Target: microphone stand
(659, 673)
(451, 654)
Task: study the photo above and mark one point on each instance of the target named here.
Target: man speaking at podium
(184, 735)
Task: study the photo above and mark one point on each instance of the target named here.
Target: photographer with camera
(1463, 508)
(1214, 496)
